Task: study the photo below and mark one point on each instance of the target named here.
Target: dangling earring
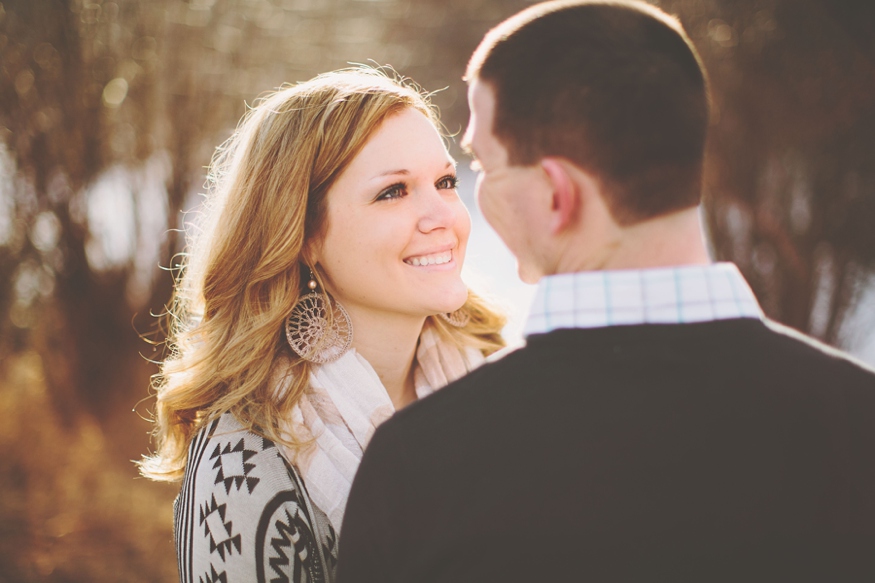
(311, 333)
(457, 319)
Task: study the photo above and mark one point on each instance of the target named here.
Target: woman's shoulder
(243, 511)
(225, 454)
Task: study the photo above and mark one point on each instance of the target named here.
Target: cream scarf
(344, 405)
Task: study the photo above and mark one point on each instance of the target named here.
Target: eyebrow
(451, 163)
(393, 172)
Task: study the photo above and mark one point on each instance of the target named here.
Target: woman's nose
(437, 211)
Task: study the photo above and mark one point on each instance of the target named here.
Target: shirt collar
(666, 295)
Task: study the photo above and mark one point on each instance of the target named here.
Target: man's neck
(668, 240)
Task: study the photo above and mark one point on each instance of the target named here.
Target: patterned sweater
(243, 514)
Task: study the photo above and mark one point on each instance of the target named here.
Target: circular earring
(318, 329)
(457, 319)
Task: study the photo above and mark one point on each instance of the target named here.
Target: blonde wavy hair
(244, 271)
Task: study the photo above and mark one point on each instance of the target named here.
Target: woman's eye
(395, 191)
(449, 182)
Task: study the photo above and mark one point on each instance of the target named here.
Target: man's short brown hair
(615, 87)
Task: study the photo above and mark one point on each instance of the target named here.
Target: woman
(321, 294)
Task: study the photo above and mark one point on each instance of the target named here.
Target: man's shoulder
(764, 348)
(808, 352)
(500, 367)
(494, 383)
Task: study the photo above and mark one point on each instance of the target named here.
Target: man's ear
(566, 194)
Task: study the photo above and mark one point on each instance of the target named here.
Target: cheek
(487, 202)
(344, 245)
(484, 197)
(480, 188)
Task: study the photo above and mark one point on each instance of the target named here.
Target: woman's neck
(389, 345)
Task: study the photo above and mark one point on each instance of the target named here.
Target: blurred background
(110, 111)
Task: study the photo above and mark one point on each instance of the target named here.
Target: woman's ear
(310, 252)
(566, 194)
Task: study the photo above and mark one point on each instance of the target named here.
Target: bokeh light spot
(115, 92)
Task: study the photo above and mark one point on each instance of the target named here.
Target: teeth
(436, 259)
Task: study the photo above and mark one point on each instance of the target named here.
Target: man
(655, 426)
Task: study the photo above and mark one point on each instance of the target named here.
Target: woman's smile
(434, 259)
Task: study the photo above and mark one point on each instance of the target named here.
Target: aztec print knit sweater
(243, 514)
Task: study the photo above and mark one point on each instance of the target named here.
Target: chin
(447, 308)
(451, 302)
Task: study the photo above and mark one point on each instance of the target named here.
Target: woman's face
(396, 228)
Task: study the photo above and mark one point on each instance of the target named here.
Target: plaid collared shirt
(669, 295)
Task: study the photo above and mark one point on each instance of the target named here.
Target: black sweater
(731, 450)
